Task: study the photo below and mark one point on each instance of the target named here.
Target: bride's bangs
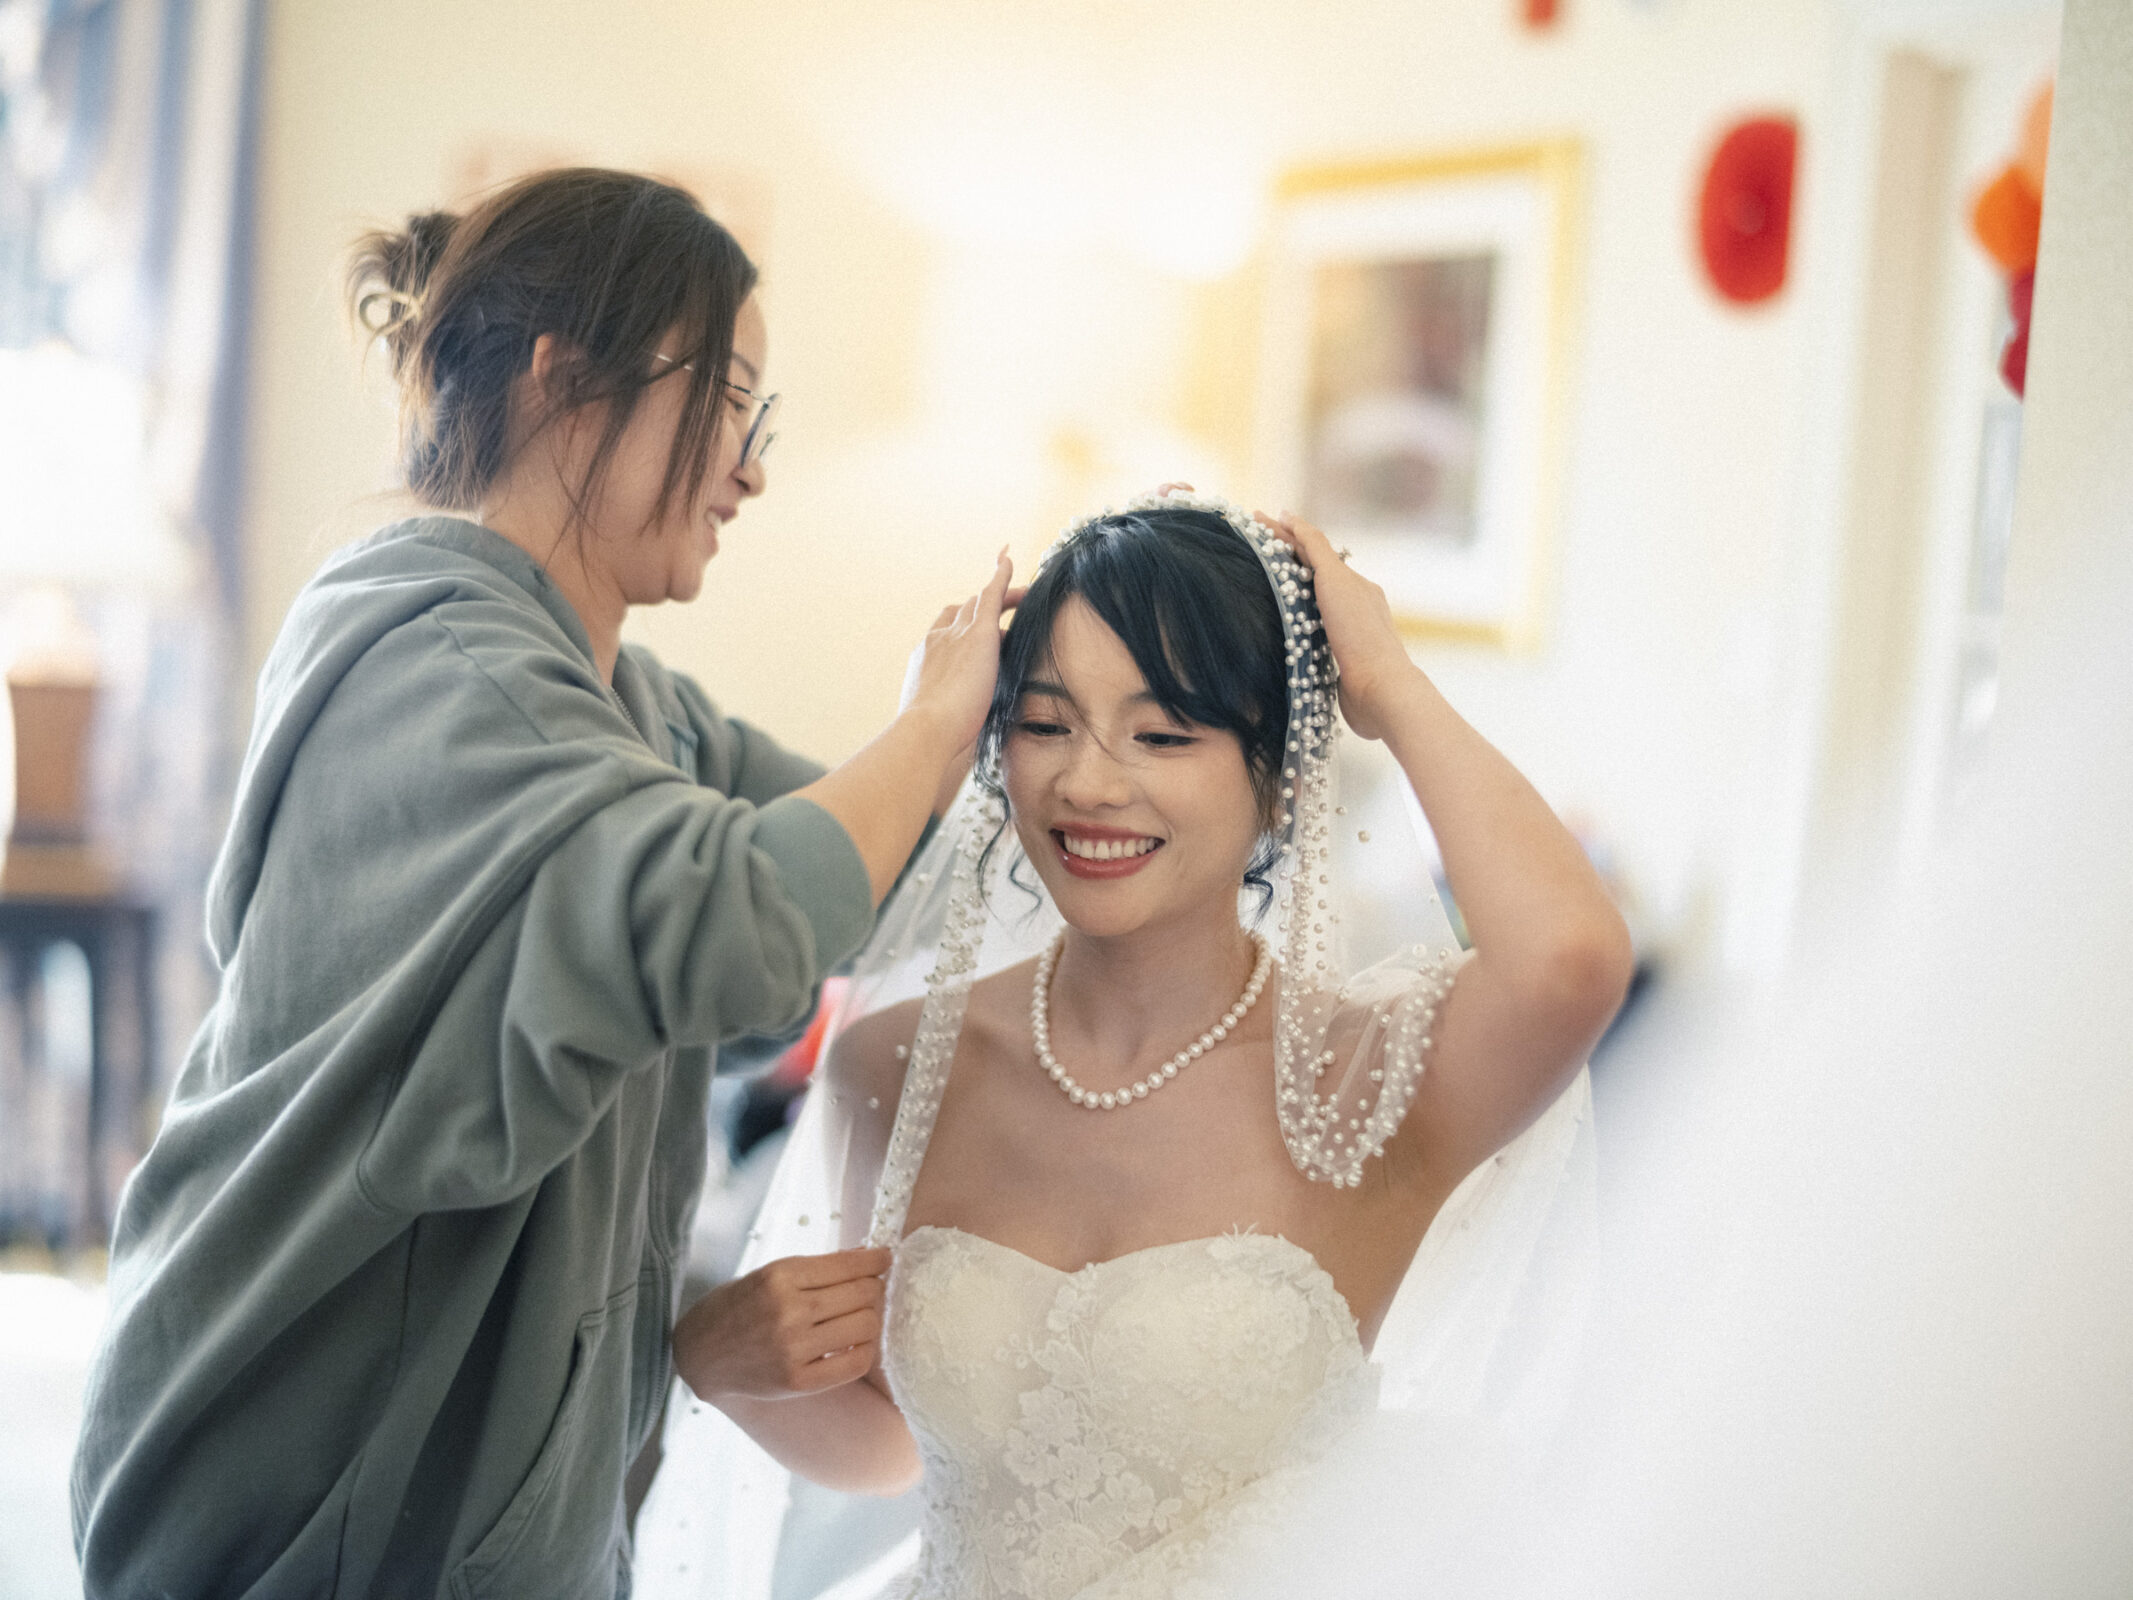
(1189, 600)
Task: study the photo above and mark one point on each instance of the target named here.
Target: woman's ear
(544, 359)
(550, 370)
(544, 394)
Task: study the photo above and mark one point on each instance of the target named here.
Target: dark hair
(1188, 598)
(608, 262)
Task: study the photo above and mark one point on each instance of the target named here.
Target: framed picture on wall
(1412, 373)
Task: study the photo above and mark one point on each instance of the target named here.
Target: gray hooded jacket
(390, 1294)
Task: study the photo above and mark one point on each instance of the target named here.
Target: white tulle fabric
(1104, 1433)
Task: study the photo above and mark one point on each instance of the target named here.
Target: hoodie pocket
(558, 1535)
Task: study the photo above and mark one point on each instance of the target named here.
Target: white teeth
(1107, 849)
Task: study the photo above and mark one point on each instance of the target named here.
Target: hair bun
(384, 310)
(388, 272)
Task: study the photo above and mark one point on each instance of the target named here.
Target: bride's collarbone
(1217, 1126)
(1068, 1186)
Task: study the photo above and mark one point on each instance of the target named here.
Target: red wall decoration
(1744, 215)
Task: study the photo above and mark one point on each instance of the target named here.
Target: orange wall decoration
(2005, 218)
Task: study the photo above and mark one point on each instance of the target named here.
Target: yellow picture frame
(1440, 464)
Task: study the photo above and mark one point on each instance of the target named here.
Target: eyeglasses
(761, 434)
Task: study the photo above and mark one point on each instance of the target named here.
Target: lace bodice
(1085, 1433)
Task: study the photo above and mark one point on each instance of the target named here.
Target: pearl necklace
(1040, 1027)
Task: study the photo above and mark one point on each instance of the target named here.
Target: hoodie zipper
(623, 706)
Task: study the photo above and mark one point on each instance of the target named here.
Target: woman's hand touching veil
(884, 795)
(955, 630)
(952, 670)
(779, 1350)
(1366, 642)
(791, 1327)
(1551, 956)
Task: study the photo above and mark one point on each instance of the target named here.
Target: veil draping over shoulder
(1484, 1331)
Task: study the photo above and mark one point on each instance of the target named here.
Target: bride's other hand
(791, 1327)
(1551, 957)
(1366, 643)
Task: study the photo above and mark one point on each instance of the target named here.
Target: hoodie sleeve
(737, 756)
(549, 907)
(673, 916)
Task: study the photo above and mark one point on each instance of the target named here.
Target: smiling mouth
(1105, 849)
(1087, 856)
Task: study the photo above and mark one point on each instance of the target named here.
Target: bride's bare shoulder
(868, 1054)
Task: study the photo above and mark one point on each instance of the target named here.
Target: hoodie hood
(363, 593)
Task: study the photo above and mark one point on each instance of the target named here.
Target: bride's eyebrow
(1052, 691)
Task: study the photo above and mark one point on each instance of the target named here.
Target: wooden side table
(66, 1148)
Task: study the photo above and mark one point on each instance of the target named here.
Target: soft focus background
(1863, 1120)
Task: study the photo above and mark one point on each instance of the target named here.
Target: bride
(1151, 1170)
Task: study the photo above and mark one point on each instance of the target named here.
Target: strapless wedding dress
(1088, 1433)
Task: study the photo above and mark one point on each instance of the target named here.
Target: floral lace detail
(1091, 1428)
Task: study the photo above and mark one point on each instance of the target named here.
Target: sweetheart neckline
(1355, 1328)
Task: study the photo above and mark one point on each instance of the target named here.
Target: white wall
(1869, 1301)
(988, 234)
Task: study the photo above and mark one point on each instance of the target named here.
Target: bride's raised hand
(1366, 643)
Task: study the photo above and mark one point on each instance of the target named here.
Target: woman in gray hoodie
(391, 1293)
